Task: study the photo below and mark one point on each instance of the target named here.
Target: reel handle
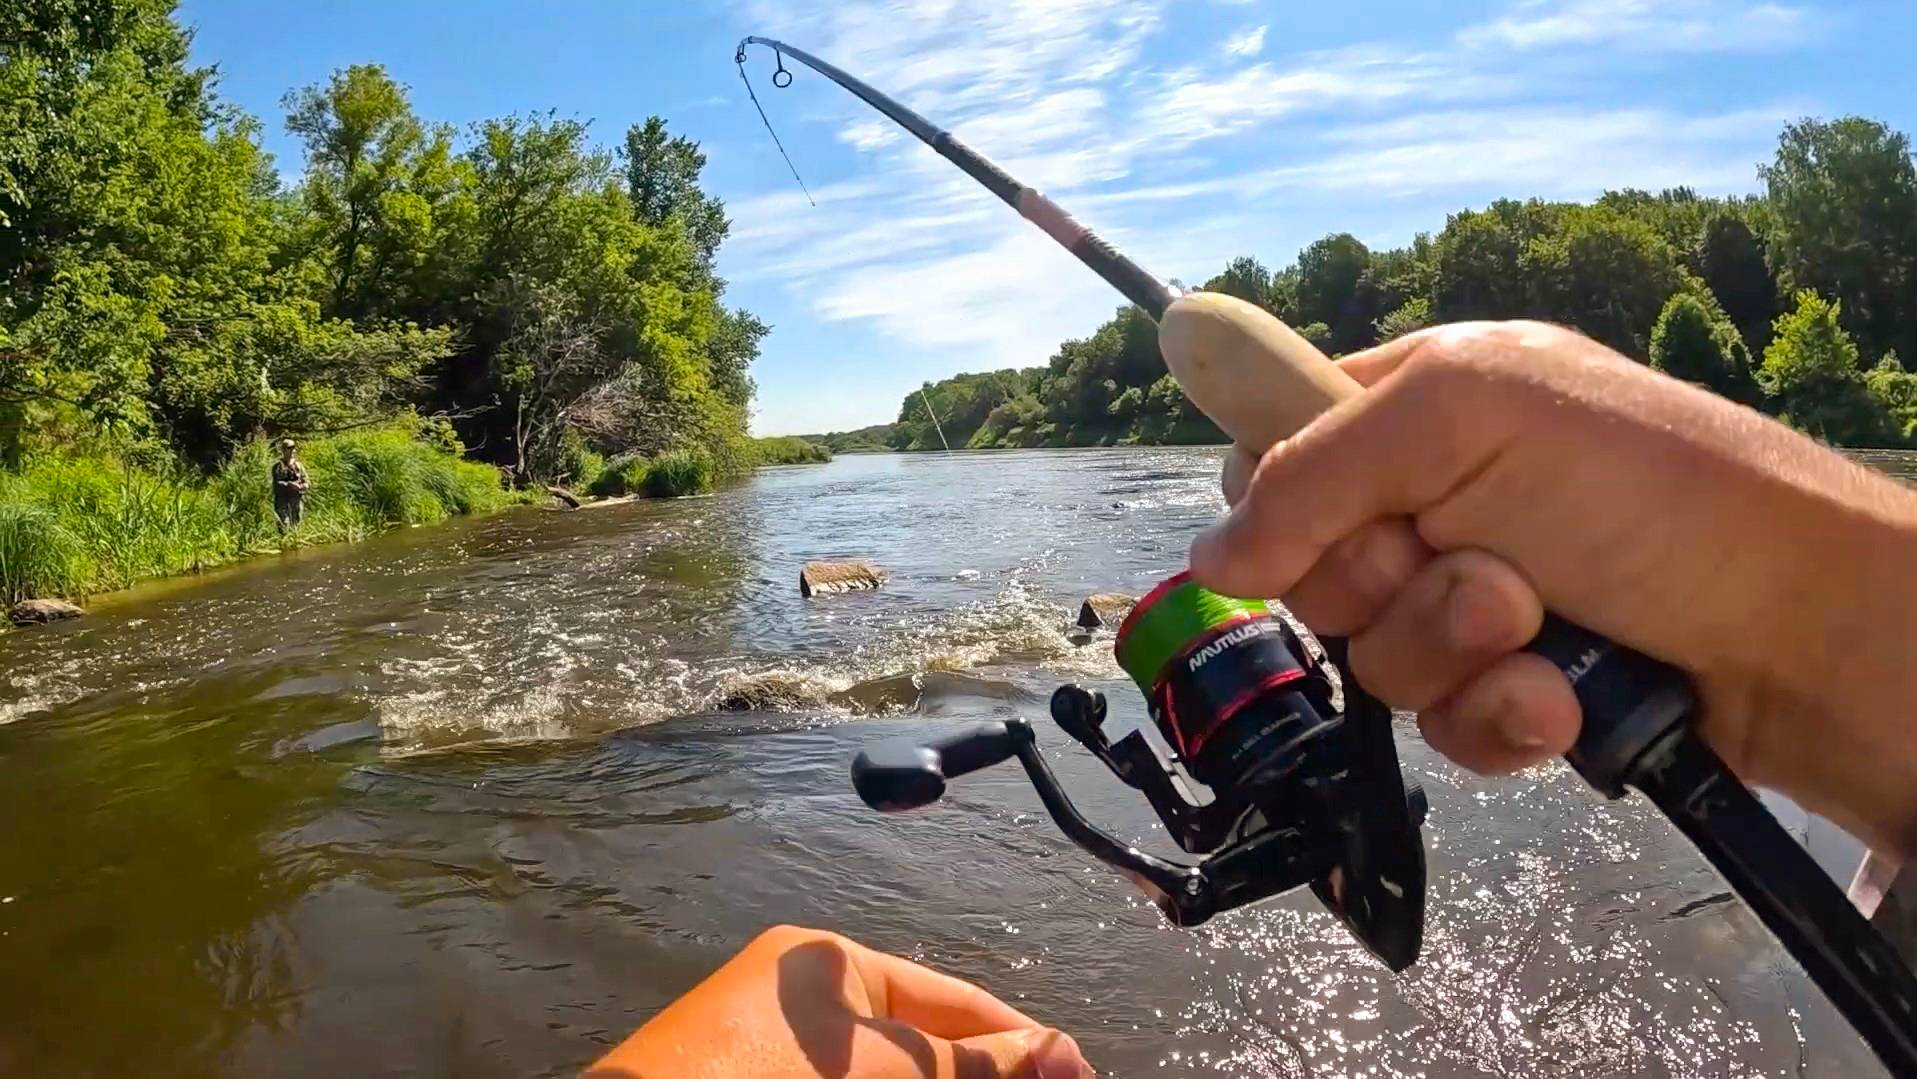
(1261, 382)
(900, 774)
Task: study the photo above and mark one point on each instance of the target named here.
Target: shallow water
(454, 801)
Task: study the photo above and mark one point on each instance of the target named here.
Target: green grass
(788, 450)
(624, 475)
(679, 472)
(71, 525)
(38, 556)
(669, 475)
(587, 467)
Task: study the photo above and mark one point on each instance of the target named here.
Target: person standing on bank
(289, 486)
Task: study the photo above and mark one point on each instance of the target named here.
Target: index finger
(1397, 449)
(938, 1004)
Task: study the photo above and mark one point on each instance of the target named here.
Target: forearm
(1858, 682)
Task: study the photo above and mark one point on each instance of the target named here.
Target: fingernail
(1057, 1057)
(1516, 731)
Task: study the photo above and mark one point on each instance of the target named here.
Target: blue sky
(1187, 133)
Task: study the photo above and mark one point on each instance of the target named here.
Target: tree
(1676, 214)
(1317, 333)
(1246, 279)
(1392, 281)
(1328, 275)
(1844, 196)
(1476, 264)
(1730, 260)
(1693, 343)
(1414, 315)
(1015, 423)
(662, 179)
(1606, 274)
(734, 345)
(1895, 391)
(363, 147)
(553, 359)
(161, 295)
(1810, 369)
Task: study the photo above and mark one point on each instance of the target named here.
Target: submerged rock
(31, 611)
(775, 691)
(816, 578)
(1105, 609)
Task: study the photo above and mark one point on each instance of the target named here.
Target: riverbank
(77, 524)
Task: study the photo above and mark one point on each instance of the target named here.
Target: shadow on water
(413, 806)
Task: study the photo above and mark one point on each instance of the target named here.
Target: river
(453, 802)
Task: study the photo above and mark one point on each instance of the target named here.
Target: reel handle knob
(903, 774)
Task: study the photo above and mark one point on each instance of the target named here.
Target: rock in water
(773, 691)
(1105, 609)
(567, 498)
(820, 577)
(30, 611)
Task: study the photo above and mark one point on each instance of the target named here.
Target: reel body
(1279, 776)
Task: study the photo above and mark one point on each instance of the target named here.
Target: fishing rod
(1261, 382)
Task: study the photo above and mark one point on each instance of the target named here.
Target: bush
(579, 466)
(788, 450)
(623, 475)
(679, 472)
(586, 470)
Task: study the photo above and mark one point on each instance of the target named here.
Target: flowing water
(458, 801)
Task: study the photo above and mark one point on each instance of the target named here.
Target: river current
(462, 800)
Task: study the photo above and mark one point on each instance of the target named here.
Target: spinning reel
(1299, 771)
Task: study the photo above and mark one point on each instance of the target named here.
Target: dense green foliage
(1690, 284)
(167, 303)
(76, 523)
(1697, 342)
(621, 476)
(679, 472)
(871, 439)
(788, 450)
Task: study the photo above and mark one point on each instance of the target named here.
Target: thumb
(1019, 1054)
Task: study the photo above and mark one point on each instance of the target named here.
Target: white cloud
(1547, 152)
(1194, 104)
(870, 134)
(1658, 25)
(1178, 165)
(1248, 42)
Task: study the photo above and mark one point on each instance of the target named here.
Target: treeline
(873, 439)
(166, 298)
(505, 292)
(1800, 301)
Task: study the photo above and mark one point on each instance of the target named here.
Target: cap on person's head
(286, 443)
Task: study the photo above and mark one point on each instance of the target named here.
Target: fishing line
(739, 58)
